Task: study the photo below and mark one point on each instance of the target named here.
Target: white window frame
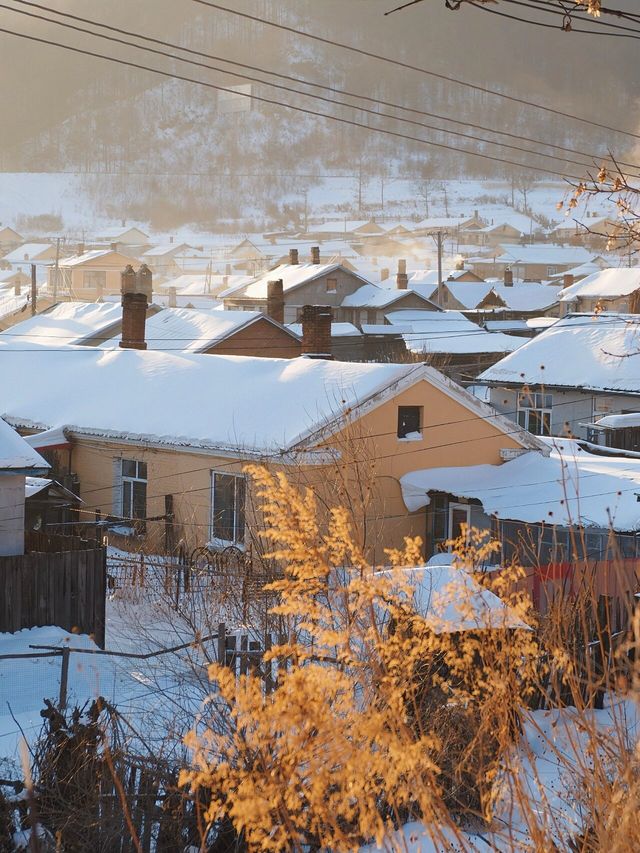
(127, 511)
(238, 534)
(538, 402)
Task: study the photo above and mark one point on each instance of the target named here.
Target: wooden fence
(59, 581)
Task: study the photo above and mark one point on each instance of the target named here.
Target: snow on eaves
(605, 284)
(569, 487)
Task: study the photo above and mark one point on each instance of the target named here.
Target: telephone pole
(56, 272)
(439, 238)
(33, 290)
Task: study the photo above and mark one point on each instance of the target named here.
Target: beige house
(90, 276)
(149, 431)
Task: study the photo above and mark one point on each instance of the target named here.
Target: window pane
(240, 500)
(142, 470)
(129, 468)
(139, 500)
(223, 506)
(408, 420)
(126, 499)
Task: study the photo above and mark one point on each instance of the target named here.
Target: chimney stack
(145, 282)
(508, 277)
(316, 331)
(402, 279)
(293, 257)
(173, 299)
(275, 300)
(567, 280)
(315, 255)
(134, 307)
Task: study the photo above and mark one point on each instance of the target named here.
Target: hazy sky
(40, 85)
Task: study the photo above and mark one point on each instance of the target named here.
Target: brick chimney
(293, 257)
(134, 310)
(275, 300)
(316, 331)
(402, 279)
(173, 298)
(145, 282)
(567, 280)
(315, 255)
(508, 277)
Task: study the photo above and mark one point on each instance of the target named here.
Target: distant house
(536, 262)
(370, 303)
(27, 254)
(184, 425)
(614, 289)
(345, 228)
(17, 462)
(460, 296)
(123, 236)
(91, 275)
(581, 368)
(303, 284)
(9, 239)
(161, 259)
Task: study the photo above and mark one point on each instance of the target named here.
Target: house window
(134, 490)
(552, 271)
(332, 285)
(534, 412)
(410, 422)
(227, 508)
(94, 279)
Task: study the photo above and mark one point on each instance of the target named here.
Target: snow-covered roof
(338, 330)
(292, 276)
(221, 403)
(569, 487)
(452, 332)
(544, 253)
(16, 456)
(372, 296)
(49, 439)
(90, 257)
(631, 419)
(436, 222)
(189, 330)
(581, 271)
(201, 284)
(589, 351)
(527, 296)
(451, 600)
(430, 277)
(169, 249)
(609, 283)
(65, 323)
(26, 252)
(468, 294)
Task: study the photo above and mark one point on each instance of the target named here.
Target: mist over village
(319, 426)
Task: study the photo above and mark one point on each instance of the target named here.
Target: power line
(299, 80)
(569, 15)
(302, 33)
(303, 110)
(485, 8)
(332, 101)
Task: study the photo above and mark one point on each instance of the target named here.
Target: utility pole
(33, 290)
(56, 272)
(440, 241)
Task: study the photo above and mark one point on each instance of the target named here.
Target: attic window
(410, 422)
(332, 285)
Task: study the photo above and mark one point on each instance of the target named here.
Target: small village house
(90, 275)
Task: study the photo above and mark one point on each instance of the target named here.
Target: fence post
(64, 678)
(222, 644)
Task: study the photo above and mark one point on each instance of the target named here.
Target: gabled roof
(430, 277)
(372, 296)
(543, 253)
(528, 297)
(226, 404)
(169, 249)
(605, 284)
(190, 330)
(65, 323)
(595, 352)
(16, 456)
(292, 275)
(468, 293)
(338, 330)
